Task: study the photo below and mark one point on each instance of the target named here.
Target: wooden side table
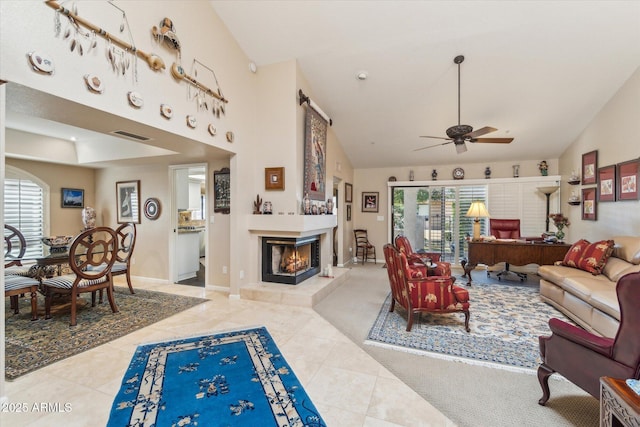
(619, 405)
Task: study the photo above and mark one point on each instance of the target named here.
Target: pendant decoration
(82, 36)
(205, 98)
(166, 33)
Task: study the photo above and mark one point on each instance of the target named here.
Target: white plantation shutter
(24, 209)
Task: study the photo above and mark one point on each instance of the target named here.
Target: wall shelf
(575, 203)
(574, 182)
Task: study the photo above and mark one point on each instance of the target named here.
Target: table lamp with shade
(477, 210)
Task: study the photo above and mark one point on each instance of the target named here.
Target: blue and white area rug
(505, 324)
(230, 379)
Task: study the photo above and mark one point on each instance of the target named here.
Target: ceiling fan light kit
(460, 134)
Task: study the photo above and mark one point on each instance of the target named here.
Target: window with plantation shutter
(24, 208)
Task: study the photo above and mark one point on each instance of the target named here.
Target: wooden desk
(515, 253)
(619, 405)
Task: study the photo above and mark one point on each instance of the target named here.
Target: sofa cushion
(606, 300)
(615, 268)
(627, 248)
(595, 256)
(557, 273)
(583, 287)
(573, 255)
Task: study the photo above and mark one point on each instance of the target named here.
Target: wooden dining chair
(90, 249)
(15, 246)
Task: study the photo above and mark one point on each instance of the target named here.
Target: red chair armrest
(462, 295)
(579, 336)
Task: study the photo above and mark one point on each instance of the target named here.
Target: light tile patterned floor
(348, 387)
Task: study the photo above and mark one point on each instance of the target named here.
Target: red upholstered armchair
(582, 357)
(417, 293)
(420, 260)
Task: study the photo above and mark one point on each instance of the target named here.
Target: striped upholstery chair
(126, 242)
(14, 286)
(420, 259)
(418, 293)
(88, 250)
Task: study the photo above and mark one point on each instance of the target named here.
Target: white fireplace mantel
(294, 225)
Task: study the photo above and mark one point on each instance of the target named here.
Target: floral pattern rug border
(230, 378)
(31, 345)
(505, 323)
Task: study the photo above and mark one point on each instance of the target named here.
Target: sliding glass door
(434, 219)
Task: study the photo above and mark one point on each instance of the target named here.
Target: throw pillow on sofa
(595, 256)
(572, 258)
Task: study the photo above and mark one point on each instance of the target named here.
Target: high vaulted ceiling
(539, 71)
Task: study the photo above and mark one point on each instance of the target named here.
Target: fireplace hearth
(290, 260)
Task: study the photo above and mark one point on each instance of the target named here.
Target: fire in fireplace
(290, 260)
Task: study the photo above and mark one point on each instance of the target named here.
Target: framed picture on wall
(589, 204)
(348, 212)
(348, 192)
(222, 191)
(607, 184)
(274, 178)
(72, 198)
(628, 174)
(370, 201)
(589, 167)
(128, 200)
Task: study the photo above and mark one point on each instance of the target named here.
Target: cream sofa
(590, 300)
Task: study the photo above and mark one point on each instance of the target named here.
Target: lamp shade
(478, 210)
(548, 190)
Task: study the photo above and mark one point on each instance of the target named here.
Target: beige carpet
(471, 396)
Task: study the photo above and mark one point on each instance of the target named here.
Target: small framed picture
(72, 198)
(128, 199)
(274, 178)
(627, 176)
(589, 167)
(348, 192)
(607, 184)
(589, 204)
(370, 201)
(348, 212)
(222, 191)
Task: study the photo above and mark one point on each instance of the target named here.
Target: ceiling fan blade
(493, 140)
(435, 137)
(482, 131)
(431, 146)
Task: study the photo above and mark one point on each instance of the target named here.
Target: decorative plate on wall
(192, 122)
(152, 208)
(135, 99)
(458, 173)
(212, 130)
(94, 83)
(166, 111)
(41, 62)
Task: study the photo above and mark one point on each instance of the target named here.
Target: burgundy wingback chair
(417, 293)
(419, 260)
(582, 357)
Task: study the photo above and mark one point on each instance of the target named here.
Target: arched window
(26, 207)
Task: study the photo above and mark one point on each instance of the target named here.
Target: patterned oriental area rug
(505, 323)
(229, 379)
(33, 345)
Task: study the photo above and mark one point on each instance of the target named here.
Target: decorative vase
(560, 235)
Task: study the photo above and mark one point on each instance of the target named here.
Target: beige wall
(612, 133)
(63, 221)
(375, 179)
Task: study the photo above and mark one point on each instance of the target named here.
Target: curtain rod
(304, 98)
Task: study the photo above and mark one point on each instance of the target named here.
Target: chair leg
(409, 320)
(129, 282)
(466, 321)
(74, 300)
(544, 372)
(14, 304)
(34, 303)
(112, 301)
(47, 303)
(393, 304)
(93, 299)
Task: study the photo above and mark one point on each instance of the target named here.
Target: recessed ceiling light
(362, 75)
(73, 138)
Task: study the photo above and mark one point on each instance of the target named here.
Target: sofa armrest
(579, 336)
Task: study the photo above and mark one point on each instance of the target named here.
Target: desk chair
(505, 229)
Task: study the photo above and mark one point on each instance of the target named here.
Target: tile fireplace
(290, 260)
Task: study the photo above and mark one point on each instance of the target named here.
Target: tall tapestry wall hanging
(315, 148)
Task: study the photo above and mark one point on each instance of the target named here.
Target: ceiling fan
(459, 134)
